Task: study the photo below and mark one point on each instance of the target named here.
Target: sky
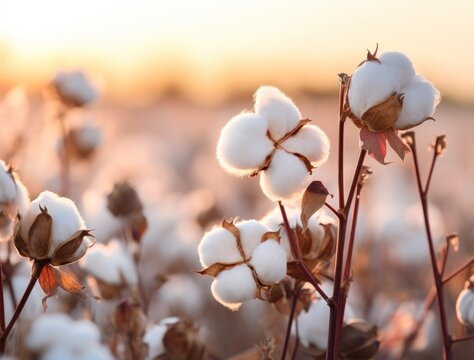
(211, 50)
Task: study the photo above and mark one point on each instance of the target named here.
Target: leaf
(396, 143)
(328, 244)
(313, 199)
(48, 283)
(374, 143)
(215, 269)
(40, 235)
(67, 282)
(293, 269)
(66, 252)
(21, 245)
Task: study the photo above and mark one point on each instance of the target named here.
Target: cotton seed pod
(465, 304)
(123, 201)
(130, 318)
(359, 341)
(181, 342)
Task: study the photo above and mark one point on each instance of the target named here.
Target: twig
(464, 338)
(297, 340)
(294, 302)
(337, 213)
(2, 303)
(458, 270)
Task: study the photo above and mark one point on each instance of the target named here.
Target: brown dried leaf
(382, 116)
(40, 235)
(48, 283)
(67, 282)
(396, 143)
(313, 199)
(66, 252)
(216, 269)
(374, 143)
(293, 269)
(328, 244)
(271, 235)
(21, 245)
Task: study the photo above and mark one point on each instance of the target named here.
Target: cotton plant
(275, 142)
(245, 258)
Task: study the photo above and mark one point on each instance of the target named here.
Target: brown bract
(359, 341)
(181, 342)
(131, 321)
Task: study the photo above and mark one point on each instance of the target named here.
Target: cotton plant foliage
(245, 258)
(274, 141)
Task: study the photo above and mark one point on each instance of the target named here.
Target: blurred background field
(172, 73)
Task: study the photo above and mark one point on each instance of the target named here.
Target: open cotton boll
(280, 112)
(465, 307)
(153, 337)
(66, 220)
(269, 261)
(22, 197)
(420, 99)
(311, 142)
(243, 144)
(218, 246)
(400, 65)
(74, 88)
(110, 263)
(286, 178)
(234, 286)
(371, 84)
(251, 232)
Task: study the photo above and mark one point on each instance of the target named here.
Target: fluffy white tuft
(234, 286)
(419, 102)
(465, 307)
(218, 246)
(66, 219)
(400, 66)
(278, 109)
(111, 263)
(311, 142)
(7, 185)
(154, 337)
(285, 179)
(269, 261)
(251, 232)
(371, 84)
(74, 86)
(243, 145)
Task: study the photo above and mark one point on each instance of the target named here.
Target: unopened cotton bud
(269, 261)
(123, 201)
(234, 286)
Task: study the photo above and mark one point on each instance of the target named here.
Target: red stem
(2, 303)
(294, 302)
(446, 339)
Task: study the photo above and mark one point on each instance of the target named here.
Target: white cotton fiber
(7, 185)
(286, 177)
(243, 144)
(218, 246)
(278, 109)
(75, 87)
(22, 197)
(400, 66)
(234, 286)
(371, 84)
(66, 220)
(419, 102)
(110, 263)
(269, 261)
(154, 340)
(311, 142)
(465, 307)
(251, 233)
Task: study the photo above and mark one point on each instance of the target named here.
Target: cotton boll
(311, 142)
(251, 233)
(66, 220)
(278, 109)
(218, 246)
(234, 286)
(269, 261)
(7, 185)
(419, 102)
(243, 144)
(400, 65)
(286, 178)
(274, 221)
(154, 340)
(465, 307)
(371, 84)
(22, 197)
(74, 88)
(110, 263)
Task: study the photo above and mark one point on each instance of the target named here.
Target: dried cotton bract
(465, 304)
(275, 141)
(74, 89)
(386, 92)
(244, 258)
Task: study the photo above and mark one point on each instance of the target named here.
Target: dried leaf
(313, 199)
(216, 269)
(67, 282)
(396, 143)
(293, 269)
(21, 245)
(48, 283)
(382, 116)
(359, 340)
(374, 143)
(40, 235)
(271, 235)
(328, 244)
(453, 241)
(66, 252)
